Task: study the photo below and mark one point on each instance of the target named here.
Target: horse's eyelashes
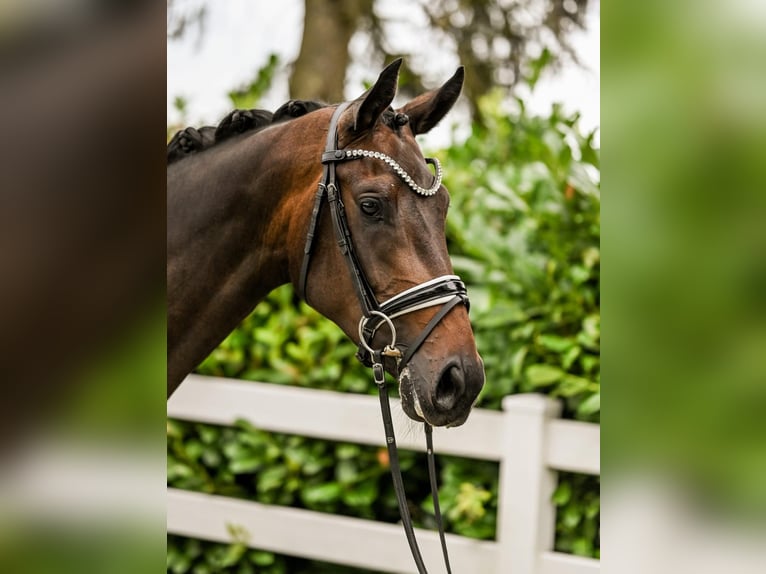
(370, 206)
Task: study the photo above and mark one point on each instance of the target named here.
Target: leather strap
(330, 143)
(435, 492)
(318, 200)
(393, 462)
(414, 346)
(329, 187)
(396, 473)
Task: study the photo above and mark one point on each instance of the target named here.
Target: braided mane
(190, 140)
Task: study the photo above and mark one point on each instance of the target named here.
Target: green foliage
(181, 104)
(578, 510)
(246, 462)
(188, 555)
(468, 497)
(523, 231)
(536, 66)
(199, 557)
(249, 95)
(285, 341)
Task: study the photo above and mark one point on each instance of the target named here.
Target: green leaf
(542, 375)
(179, 470)
(271, 478)
(570, 356)
(233, 554)
(590, 405)
(261, 558)
(593, 508)
(347, 471)
(517, 361)
(362, 494)
(321, 493)
(582, 547)
(571, 386)
(571, 516)
(181, 564)
(555, 343)
(502, 316)
(346, 451)
(592, 327)
(562, 494)
(245, 465)
(579, 274)
(591, 256)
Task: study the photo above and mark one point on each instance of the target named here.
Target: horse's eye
(370, 206)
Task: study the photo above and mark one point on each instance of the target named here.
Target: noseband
(445, 291)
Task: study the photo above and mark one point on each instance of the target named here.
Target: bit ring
(363, 322)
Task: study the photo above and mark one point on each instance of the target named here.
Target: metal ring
(388, 321)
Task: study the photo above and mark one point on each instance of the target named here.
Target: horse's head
(396, 210)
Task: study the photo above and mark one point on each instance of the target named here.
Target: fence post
(526, 516)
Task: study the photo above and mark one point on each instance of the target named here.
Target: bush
(523, 230)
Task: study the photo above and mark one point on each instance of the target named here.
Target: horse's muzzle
(443, 398)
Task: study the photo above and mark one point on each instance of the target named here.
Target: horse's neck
(227, 248)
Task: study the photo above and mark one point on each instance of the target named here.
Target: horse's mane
(190, 140)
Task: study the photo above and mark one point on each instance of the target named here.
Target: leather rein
(446, 291)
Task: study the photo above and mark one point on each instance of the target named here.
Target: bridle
(446, 291)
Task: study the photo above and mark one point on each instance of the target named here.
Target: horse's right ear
(428, 109)
(377, 99)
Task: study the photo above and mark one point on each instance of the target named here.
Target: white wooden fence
(527, 438)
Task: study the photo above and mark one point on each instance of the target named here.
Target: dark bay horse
(238, 217)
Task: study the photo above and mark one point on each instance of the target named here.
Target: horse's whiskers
(410, 428)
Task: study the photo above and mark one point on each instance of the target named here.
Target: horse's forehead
(398, 144)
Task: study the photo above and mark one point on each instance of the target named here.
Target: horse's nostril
(449, 388)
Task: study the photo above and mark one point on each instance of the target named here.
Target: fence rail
(527, 438)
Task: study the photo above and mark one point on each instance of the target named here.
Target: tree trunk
(319, 73)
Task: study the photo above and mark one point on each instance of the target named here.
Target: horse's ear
(428, 109)
(375, 100)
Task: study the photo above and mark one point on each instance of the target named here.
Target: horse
(245, 216)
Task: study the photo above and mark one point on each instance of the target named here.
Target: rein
(446, 291)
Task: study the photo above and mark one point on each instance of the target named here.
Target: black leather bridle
(446, 291)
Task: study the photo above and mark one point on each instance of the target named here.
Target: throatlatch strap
(318, 198)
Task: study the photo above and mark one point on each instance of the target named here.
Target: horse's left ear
(375, 100)
(428, 109)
